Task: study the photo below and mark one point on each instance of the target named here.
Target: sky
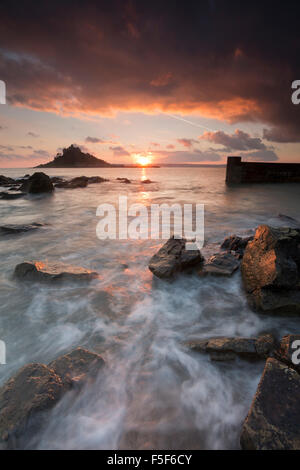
(175, 81)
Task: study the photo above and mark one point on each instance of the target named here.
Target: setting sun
(143, 160)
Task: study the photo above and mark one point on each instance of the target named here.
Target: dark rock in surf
(38, 183)
(78, 366)
(52, 272)
(220, 264)
(124, 180)
(273, 420)
(271, 270)
(11, 196)
(147, 181)
(6, 181)
(228, 348)
(12, 229)
(80, 182)
(235, 243)
(35, 389)
(173, 258)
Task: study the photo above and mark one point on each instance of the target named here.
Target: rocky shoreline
(269, 263)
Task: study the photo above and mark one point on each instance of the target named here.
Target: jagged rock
(96, 179)
(273, 420)
(38, 183)
(77, 366)
(173, 258)
(270, 270)
(80, 182)
(11, 229)
(228, 348)
(52, 272)
(220, 264)
(124, 180)
(26, 398)
(9, 196)
(235, 243)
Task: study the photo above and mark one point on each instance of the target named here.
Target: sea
(153, 393)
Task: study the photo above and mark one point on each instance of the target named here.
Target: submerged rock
(235, 243)
(220, 264)
(124, 180)
(80, 182)
(273, 420)
(26, 398)
(172, 258)
(147, 181)
(11, 229)
(270, 270)
(39, 182)
(6, 181)
(228, 348)
(52, 272)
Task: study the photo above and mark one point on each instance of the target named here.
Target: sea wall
(260, 172)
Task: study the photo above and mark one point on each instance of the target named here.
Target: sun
(143, 160)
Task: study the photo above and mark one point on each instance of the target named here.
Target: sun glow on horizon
(142, 159)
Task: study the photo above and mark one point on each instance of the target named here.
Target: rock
(124, 180)
(26, 398)
(220, 264)
(173, 258)
(52, 272)
(57, 179)
(265, 345)
(33, 390)
(77, 366)
(9, 196)
(12, 229)
(228, 348)
(235, 243)
(38, 183)
(273, 420)
(147, 181)
(80, 182)
(6, 181)
(287, 351)
(97, 179)
(270, 270)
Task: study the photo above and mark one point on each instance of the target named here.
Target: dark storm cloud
(187, 142)
(229, 60)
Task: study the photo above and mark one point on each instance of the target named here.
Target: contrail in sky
(190, 122)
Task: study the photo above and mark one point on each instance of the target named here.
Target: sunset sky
(190, 82)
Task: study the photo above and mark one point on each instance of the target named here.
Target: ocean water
(154, 393)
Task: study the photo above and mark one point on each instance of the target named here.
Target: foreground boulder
(173, 258)
(273, 420)
(221, 264)
(13, 229)
(228, 348)
(26, 398)
(38, 183)
(270, 270)
(235, 243)
(52, 272)
(6, 181)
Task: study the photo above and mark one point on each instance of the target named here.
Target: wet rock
(220, 264)
(228, 348)
(235, 243)
(10, 196)
(147, 181)
(12, 229)
(79, 182)
(57, 179)
(270, 270)
(37, 183)
(52, 272)
(77, 366)
(273, 420)
(33, 390)
(173, 258)
(26, 398)
(96, 180)
(124, 180)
